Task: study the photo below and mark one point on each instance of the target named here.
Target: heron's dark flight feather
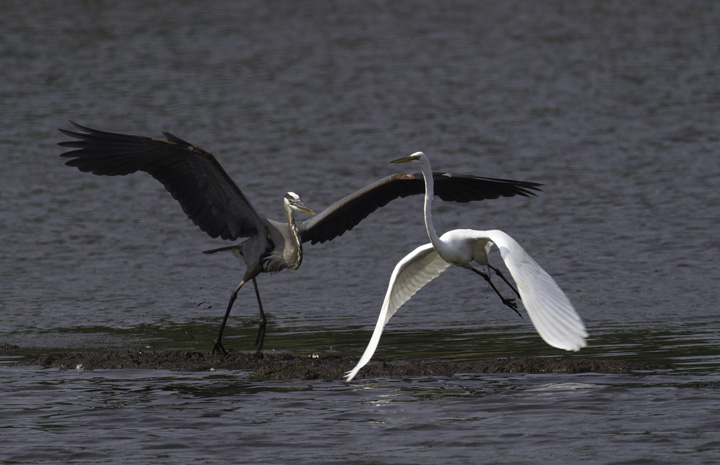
(192, 175)
(215, 203)
(346, 213)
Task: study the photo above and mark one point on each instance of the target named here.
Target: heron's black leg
(263, 321)
(509, 302)
(502, 276)
(218, 347)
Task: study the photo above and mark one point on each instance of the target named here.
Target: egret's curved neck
(295, 257)
(429, 193)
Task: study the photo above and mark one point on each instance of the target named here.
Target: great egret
(215, 203)
(549, 308)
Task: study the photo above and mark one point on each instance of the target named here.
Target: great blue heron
(215, 203)
(550, 310)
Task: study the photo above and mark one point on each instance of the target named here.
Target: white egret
(216, 204)
(551, 312)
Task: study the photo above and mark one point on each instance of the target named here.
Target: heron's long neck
(429, 193)
(295, 258)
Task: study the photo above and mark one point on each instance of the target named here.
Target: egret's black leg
(263, 321)
(509, 302)
(502, 276)
(218, 347)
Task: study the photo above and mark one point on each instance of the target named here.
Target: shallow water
(613, 107)
(122, 416)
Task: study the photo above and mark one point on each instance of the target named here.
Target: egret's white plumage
(551, 312)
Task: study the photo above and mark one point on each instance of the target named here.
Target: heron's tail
(233, 248)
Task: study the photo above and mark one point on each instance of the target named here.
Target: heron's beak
(299, 206)
(407, 159)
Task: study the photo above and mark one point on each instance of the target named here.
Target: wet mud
(292, 367)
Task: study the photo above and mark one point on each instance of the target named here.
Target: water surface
(613, 107)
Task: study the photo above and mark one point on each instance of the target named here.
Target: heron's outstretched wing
(347, 212)
(192, 175)
(418, 268)
(550, 310)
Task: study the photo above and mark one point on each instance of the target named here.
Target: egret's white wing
(418, 268)
(550, 310)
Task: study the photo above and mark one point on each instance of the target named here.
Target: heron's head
(416, 157)
(294, 201)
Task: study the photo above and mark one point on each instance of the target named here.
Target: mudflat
(273, 366)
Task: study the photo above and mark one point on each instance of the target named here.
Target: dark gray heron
(551, 312)
(216, 204)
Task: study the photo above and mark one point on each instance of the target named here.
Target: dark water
(614, 107)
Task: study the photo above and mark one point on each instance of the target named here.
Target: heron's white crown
(295, 202)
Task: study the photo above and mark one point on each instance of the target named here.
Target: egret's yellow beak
(407, 159)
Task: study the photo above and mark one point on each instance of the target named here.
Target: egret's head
(416, 157)
(294, 201)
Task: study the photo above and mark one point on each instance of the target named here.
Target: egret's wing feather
(550, 310)
(418, 268)
(347, 212)
(192, 175)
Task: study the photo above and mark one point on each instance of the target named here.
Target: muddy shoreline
(270, 366)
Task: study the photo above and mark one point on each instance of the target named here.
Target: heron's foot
(218, 347)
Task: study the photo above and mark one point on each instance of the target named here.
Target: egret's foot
(512, 304)
(502, 276)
